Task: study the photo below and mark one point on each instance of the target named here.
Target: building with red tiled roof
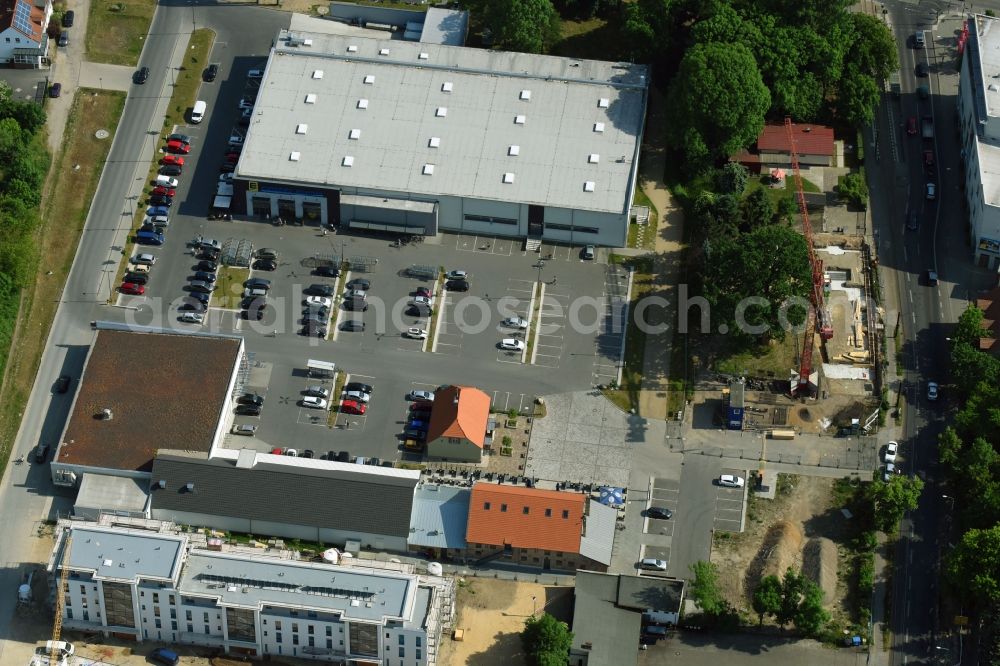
(23, 41)
(457, 429)
(543, 528)
(813, 143)
(989, 303)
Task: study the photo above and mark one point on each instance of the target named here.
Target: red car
(172, 159)
(132, 288)
(233, 158)
(277, 451)
(164, 191)
(353, 407)
(424, 291)
(911, 125)
(929, 158)
(178, 147)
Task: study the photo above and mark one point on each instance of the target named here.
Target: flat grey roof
(611, 634)
(252, 582)
(445, 26)
(124, 556)
(987, 34)
(387, 203)
(650, 593)
(560, 126)
(112, 493)
(599, 529)
(440, 516)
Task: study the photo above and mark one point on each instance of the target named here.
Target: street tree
(529, 26)
(854, 189)
(717, 102)
(546, 640)
(973, 566)
(893, 498)
(873, 49)
(971, 327)
(810, 616)
(767, 597)
(858, 96)
(970, 368)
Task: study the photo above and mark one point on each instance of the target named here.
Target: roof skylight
(294, 156)
(301, 128)
(317, 73)
(447, 86)
(383, 51)
(526, 95)
(428, 169)
(588, 186)
(441, 112)
(347, 161)
(434, 142)
(311, 98)
(508, 178)
(424, 56)
(514, 150)
(369, 79)
(598, 127)
(354, 134)
(593, 158)
(362, 103)
(352, 48)
(603, 102)
(519, 119)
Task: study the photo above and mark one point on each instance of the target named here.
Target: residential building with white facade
(173, 588)
(24, 42)
(979, 127)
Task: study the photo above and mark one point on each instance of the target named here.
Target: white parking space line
(504, 401)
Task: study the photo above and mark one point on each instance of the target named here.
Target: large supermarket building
(418, 138)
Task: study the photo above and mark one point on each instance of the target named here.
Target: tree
(874, 48)
(792, 586)
(717, 102)
(971, 327)
(732, 178)
(767, 597)
(705, 588)
(973, 566)
(858, 96)
(810, 616)
(546, 640)
(853, 188)
(970, 367)
(756, 210)
(893, 498)
(788, 207)
(531, 26)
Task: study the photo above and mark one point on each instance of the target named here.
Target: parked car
(318, 300)
(358, 396)
(931, 191)
(166, 181)
(42, 453)
(164, 191)
(456, 285)
(353, 407)
(192, 317)
(178, 147)
(319, 290)
(326, 271)
(456, 275)
(183, 138)
(153, 211)
(359, 386)
(132, 288)
(414, 433)
(265, 265)
(248, 410)
(922, 69)
(512, 344)
(209, 243)
(891, 449)
(911, 125)
(207, 265)
(64, 38)
(415, 333)
(355, 305)
(172, 159)
(137, 278)
(426, 396)
(653, 564)
(165, 656)
(913, 221)
(419, 300)
(352, 325)
(515, 322)
(55, 90)
(192, 304)
(211, 72)
(588, 253)
(315, 331)
(731, 481)
(423, 291)
(149, 238)
(161, 200)
(258, 283)
(245, 429)
(68, 18)
(317, 391)
(363, 284)
(357, 294)
(932, 391)
(417, 424)
(170, 170)
(204, 276)
(312, 402)
(659, 512)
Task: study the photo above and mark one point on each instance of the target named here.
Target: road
(898, 174)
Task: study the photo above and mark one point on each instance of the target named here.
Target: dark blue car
(154, 211)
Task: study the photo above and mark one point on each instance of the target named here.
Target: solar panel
(22, 18)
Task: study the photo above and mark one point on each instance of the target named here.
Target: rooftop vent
(362, 103)
(603, 102)
(526, 95)
(311, 98)
(307, 42)
(428, 169)
(598, 127)
(423, 56)
(354, 134)
(317, 73)
(369, 79)
(352, 48)
(508, 178)
(383, 51)
(162, 483)
(294, 157)
(107, 414)
(588, 186)
(519, 120)
(301, 128)
(347, 161)
(514, 150)
(189, 487)
(441, 112)
(593, 158)
(447, 86)
(435, 142)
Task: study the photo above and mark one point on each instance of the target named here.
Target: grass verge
(116, 30)
(437, 290)
(774, 360)
(626, 396)
(65, 207)
(532, 317)
(229, 287)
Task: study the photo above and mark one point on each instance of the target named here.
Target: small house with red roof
(813, 143)
(457, 429)
(23, 39)
(533, 527)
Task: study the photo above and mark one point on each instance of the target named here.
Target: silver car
(360, 396)
(317, 391)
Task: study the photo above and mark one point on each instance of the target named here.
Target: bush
(854, 189)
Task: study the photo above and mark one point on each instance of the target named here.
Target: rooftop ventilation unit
(354, 134)
(447, 86)
(301, 128)
(603, 102)
(519, 120)
(383, 51)
(593, 158)
(428, 169)
(352, 48)
(107, 414)
(369, 79)
(424, 56)
(508, 178)
(348, 161)
(514, 150)
(307, 42)
(189, 487)
(441, 112)
(525, 95)
(311, 98)
(162, 483)
(588, 186)
(295, 155)
(435, 142)
(598, 127)
(317, 73)
(362, 104)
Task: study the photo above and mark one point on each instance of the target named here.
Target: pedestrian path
(105, 77)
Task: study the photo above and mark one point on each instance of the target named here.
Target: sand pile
(819, 564)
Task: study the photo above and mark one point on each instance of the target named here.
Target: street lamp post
(534, 607)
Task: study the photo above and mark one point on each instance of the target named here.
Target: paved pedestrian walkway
(105, 77)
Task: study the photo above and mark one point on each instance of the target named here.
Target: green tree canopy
(971, 327)
(717, 102)
(705, 588)
(874, 48)
(854, 189)
(546, 640)
(973, 566)
(756, 210)
(530, 26)
(767, 597)
(893, 498)
(732, 178)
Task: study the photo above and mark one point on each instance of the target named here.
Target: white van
(198, 112)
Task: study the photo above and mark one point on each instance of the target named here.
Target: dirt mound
(779, 551)
(819, 564)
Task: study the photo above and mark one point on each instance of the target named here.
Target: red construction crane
(818, 316)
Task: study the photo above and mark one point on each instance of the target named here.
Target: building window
(173, 626)
(277, 636)
(277, 625)
(329, 630)
(295, 639)
(69, 611)
(526, 510)
(310, 629)
(295, 627)
(156, 611)
(503, 508)
(489, 219)
(419, 644)
(329, 644)
(565, 513)
(170, 598)
(486, 506)
(312, 642)
(548, 513)
(83, 589)
(158, 626)
(402, 652)
(402, 639)
(190, 628)
(173, 613)
(156, 598)
(187, 615)
(418, 655)
(454, 440)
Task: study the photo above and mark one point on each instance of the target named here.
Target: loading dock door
(261, 206)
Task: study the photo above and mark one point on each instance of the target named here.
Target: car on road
(928, 158)
(911, 125)
(132, 288)
(192, 317)
(319, 290)
(931, 190)
(170, 170)
(321, 301)
(312, 402)
(141, 75)
(932, 277)
(55, 90)
(62, 384)
(211, 72)
(922, 69)
(64, 38)
(731, 481)
(178, 147)
(362, 284)
(512, 344)
(456, 275)
(425, 396)
(456, 285)
(326, 271)
(248, 410)
(415, 333)
(352, 325)
(891, 449)
(913, 220)
(353, 407)
(317, 391)
(588, 253)
(359, 386)
(653, 564)
(172, 159)
(515, 322)
(932, 391)
(67, 19)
